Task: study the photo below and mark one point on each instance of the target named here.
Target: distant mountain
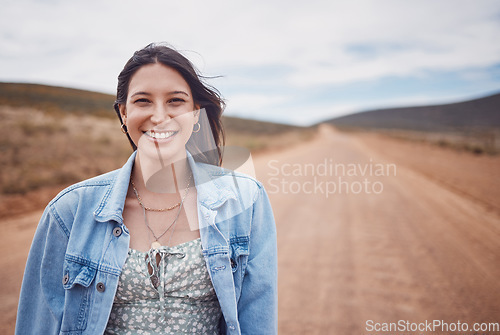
(477, 114)
(56, 99)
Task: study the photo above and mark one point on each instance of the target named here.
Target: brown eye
(176, 100)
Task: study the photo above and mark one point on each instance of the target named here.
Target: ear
(123, 113)
(196, 112)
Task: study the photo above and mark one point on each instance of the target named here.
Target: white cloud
(320, 43)
(254, 101)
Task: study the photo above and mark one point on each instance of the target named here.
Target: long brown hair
(204, 95)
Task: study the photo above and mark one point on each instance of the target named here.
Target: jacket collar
(212, 191)
(113, 202)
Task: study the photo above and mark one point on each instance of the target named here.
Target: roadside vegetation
(477, 142)
(51, 137)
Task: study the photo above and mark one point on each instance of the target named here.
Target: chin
(164, 152)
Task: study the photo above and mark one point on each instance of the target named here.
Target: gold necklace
(156, 243)
(154, 209)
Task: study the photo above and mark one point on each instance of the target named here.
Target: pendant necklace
(156, 243)
(157, 255)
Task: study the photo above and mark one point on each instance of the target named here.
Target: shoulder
(234, 182)
(234, 196)
(80, 199)
(107, 185)
(91, 185)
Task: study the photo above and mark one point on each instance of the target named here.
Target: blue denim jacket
(81, 244)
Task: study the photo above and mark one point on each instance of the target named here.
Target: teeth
(160, 135)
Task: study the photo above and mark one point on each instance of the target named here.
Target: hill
(472, 115)
(56, 100)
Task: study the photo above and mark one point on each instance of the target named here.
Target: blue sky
(281, 61)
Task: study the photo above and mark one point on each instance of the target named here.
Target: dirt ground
(410, 232)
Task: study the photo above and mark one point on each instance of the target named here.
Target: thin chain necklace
(153, 209)
(156, 243)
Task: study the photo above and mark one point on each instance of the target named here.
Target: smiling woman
(206, 145)
(159, 110)
(171, 242)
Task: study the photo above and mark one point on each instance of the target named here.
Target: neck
(161, 176)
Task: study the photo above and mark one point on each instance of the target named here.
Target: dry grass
(260, 143)
(39, 149)
(484, 141)
(42, 152)
(477, 142)
(259, 136)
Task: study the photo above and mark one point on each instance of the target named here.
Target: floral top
(189, 304)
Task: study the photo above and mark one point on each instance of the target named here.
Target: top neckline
(164, 247)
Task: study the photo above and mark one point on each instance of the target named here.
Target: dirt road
(415, 251)
(363, 234)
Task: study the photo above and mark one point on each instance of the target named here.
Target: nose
(160, 114)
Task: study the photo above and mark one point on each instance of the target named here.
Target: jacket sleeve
(258, 303)
(42, 294)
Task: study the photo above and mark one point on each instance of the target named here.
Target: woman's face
(160, 112)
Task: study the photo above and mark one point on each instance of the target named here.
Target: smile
(159, 135)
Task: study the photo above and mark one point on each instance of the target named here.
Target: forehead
(156, 78)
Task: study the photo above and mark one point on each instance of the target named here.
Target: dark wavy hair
(204, 95)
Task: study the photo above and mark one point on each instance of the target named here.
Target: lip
(160, 136)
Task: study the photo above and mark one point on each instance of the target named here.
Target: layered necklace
(156, 258)
(156, 243)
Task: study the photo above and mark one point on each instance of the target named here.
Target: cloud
(272, 54)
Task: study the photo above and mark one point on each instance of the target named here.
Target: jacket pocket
(78, 274)
(239, 252)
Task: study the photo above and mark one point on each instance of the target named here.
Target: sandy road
(414, 251)
(15, 241)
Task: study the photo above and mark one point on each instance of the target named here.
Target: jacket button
(117, 231)
(65, 279)
(100, 287)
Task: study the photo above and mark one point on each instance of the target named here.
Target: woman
(171, 242)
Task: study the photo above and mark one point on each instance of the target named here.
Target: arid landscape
(425, 246)
(373, 227)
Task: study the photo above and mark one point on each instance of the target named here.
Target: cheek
(186, 120)
(135, 117)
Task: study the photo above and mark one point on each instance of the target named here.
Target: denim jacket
(81, 244)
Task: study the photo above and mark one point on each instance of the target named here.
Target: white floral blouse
(189, 303)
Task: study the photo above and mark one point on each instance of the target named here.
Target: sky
(293, 62)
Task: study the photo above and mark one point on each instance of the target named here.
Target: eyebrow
(169, 93)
